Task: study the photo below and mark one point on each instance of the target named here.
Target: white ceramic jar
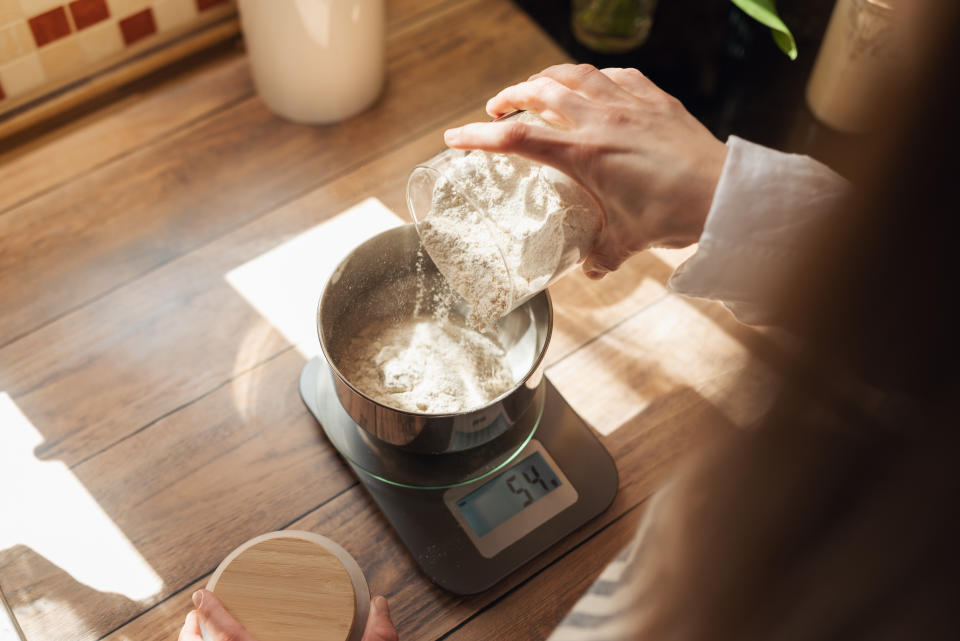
(315, 61)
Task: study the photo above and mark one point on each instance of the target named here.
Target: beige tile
(170, 14)
(100, 41)
(62, 59)
(10, 11)
(22, 75)
(120, 9)
(15, 41)
(33, 7)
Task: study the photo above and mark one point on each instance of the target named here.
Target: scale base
(435, 538)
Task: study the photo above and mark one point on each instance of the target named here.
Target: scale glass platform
(472, 517)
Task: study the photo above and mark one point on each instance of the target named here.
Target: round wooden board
(294, 586)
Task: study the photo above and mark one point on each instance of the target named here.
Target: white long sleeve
(764, 210)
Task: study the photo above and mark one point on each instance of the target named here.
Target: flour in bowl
(428, 363)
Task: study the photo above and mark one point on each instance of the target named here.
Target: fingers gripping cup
(500, 228)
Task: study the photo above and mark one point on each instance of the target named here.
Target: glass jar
(612, 26)
(851, 80)
(500, 228)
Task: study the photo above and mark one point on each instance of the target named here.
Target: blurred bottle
(612, 26)
(848, 80)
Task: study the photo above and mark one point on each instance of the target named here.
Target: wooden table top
(156, 263)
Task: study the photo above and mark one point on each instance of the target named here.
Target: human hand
(650, 165)
(221, 626)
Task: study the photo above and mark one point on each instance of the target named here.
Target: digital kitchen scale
(472, 517)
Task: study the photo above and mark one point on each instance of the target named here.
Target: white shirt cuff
(764, 211)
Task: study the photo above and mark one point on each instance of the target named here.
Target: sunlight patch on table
(285, 283)
(668, 347)
(46, 508)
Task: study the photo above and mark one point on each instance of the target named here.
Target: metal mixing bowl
(378, 280)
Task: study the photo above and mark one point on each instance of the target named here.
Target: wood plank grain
(139, 346)
(584, 309)
(676, 343)
(244, 460)
(404, 11)
(122, 220)
(126, 125)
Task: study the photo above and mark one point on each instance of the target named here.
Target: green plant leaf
(765, 12)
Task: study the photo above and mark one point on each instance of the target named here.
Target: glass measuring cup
(500, 228)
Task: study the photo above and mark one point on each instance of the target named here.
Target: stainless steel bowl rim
(523, 379)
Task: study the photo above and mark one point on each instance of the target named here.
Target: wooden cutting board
(294, 586)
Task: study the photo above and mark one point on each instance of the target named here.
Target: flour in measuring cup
(499, 231)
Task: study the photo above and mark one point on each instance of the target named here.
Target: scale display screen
(508, 494)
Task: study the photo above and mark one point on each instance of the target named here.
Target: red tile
(206, 4)
(138, 26)
(49, 26)
(88, 12)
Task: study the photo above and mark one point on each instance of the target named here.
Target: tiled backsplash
(48, 44)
